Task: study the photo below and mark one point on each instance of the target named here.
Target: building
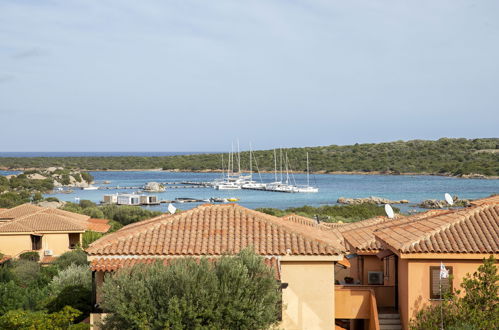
(389, 270)
(303, 257)
(50, 232)
(398, 260)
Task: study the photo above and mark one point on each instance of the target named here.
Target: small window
(74, 240)
(435, 282)
(36, 242)
(374, 278)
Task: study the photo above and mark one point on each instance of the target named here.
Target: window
(36, 242)
(74, 240)
(435, 282)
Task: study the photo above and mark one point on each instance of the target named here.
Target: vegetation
(22, 188)
(35, 297)
(234, 292)
(328, 213)
(121, 215)
(444, 156)
(477, 309)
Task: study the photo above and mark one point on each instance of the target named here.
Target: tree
(77, 257)
(477, 309)
(77, 296)
(234, 292)
(72, 275)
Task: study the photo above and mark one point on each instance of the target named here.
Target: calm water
(412, 188)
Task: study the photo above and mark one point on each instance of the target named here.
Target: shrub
(21, 319)
(32, 256)
(72, 275)
(52, 199)
(89, 237)
(77, 257)
(234, 292)
(77, 296)
(25, 271)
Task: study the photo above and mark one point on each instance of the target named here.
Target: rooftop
(214, 230)
(29, 218)
(470, 230)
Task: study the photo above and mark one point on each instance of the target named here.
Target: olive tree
(233, 292)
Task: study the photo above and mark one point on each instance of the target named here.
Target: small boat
(90, 188)
(232, 199)
(227, 186)
(218, 200)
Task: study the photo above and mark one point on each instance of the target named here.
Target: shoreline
(470, 176)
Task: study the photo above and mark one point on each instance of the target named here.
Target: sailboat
(279, 186)
(308, 188)
(230, 182)
(248, 182)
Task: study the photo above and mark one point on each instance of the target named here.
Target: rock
(154, 187)
(52, 205)
(473, 176)
(369, 200)
(36, 176)
(440, 204)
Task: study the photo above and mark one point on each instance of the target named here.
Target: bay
(414, 188)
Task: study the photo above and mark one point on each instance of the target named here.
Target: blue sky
(195, 75)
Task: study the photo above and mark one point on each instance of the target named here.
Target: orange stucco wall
(14, 244)
(414, 282)
(308, 301)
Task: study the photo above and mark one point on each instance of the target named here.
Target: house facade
(50, 232)
(303, 257)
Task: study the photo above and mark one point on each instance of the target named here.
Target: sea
(414, 188)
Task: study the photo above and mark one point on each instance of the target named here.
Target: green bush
(235, 292)
(52, 199)
(26, 271)
(72, 275)
(76, 257)
(89, 237)
(76, 296)
(21, 319)
(33, 256)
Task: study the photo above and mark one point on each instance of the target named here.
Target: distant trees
(233, 292)
(329, 213)
(444, 156)
(477, 309)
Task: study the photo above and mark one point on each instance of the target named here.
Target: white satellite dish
(448, 199)
(389, 211)
(172, 209)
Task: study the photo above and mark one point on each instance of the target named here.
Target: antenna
(172, 209)
(448, 199)
(389, 211)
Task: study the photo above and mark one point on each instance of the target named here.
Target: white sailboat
(308, 188)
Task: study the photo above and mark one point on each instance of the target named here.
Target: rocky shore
(369, 200)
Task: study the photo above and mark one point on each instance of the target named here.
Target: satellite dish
(389, 211)
(448, 199)
(171, 208)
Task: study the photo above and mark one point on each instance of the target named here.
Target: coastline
(470, 176)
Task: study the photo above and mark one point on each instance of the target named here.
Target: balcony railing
(356, 302)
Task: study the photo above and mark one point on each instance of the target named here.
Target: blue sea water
(414, 188)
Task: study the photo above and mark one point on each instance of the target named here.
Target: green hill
(444, 156)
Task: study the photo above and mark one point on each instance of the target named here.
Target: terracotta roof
(113, 264)
(32, 218)
(98, 225)
(40, 222)
(215, 230)
(471, 230)
(360, 236)
(19, 211)
(485, 201)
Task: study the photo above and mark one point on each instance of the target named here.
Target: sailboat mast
(280, 156)
(308, 173)
(287, 170)
(238, 159)
(251, 162)
(275, 166)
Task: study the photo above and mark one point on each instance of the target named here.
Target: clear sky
(187, 75)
